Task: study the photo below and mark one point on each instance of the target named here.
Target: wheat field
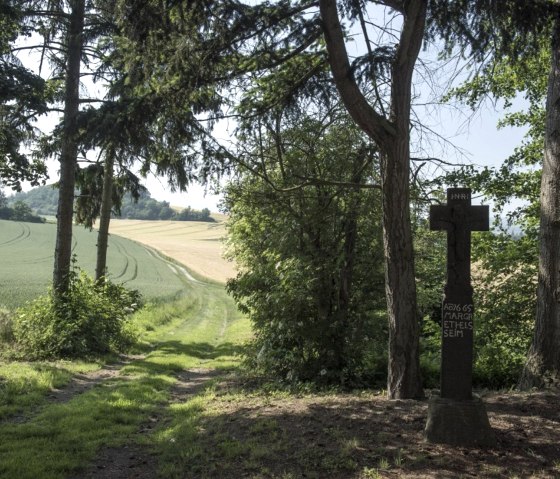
(197, 245)
(26, 262)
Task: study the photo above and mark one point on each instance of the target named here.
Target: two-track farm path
(201, 342)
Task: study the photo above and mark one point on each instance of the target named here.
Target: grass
(203, 329)
(26, 262)
(257, 433)
(24, 386)
(232, 428)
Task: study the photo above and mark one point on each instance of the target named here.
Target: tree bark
(392, 137)
(404, 378)
(543, 360)
(69, 151)
(105, 217)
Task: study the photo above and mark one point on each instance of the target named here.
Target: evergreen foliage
(23, 97)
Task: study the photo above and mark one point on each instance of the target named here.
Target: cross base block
(458, 423)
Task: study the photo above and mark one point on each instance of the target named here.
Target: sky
(468, 138)
(479, 142)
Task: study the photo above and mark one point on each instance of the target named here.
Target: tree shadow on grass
(204, 351)
(159, 360)
(20, 394)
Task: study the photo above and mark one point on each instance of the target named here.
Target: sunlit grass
(201, 329)
(26, 252)
(66, 436)
(24, 385)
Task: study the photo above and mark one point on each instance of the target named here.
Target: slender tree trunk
(543, 361)
(105, 217)
(392, 137)
(69, 151)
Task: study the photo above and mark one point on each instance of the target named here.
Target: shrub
(90, 319)
(311, 259)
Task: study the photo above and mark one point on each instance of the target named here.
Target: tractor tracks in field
(133, 459)
(22, 235)
(79, 384)
(130, 263)
(177, 268)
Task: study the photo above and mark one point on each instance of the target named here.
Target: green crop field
(26, 262)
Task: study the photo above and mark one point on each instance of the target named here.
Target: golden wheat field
(197, 245)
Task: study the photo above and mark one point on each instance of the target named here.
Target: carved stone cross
(458, 218)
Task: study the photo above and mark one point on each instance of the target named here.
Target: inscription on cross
(458, 217)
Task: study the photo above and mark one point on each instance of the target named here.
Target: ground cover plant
(179, 409)
(26, 259)
(233, 431)
(25, 385)
(89, 319)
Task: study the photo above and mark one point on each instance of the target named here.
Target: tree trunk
(404, 378)
(69, 151)
(392, 137)
(543, 361)
(104, 217)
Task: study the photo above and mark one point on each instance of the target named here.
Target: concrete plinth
(459, 423)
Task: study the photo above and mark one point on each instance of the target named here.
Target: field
(26, 263)
(197, 245)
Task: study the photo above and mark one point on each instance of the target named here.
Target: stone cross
(458, 218)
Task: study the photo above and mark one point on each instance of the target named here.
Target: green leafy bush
(90, 319)
(505, 284)
(310, 258)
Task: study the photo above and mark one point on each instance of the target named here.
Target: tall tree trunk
(105, 217)
(69, 151)
(543, 361)
(404, 378)
(392, 137)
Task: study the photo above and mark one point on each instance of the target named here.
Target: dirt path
(133, 461)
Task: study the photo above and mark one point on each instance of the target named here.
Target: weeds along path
(107, 431)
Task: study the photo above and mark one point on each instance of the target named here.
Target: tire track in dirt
(138, 461)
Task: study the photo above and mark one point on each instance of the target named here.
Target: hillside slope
(26, 262)
(197, 245)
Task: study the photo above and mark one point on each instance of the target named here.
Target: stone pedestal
(459, 423)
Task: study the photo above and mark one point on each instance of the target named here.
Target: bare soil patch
(367, 436)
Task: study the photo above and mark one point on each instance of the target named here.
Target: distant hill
(43, 201)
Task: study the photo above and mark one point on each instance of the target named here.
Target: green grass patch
(202, 329)
(25, 385)
(64, 437)
(26, 268)
(234, 431)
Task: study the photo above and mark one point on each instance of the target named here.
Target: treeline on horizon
(43, 202)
